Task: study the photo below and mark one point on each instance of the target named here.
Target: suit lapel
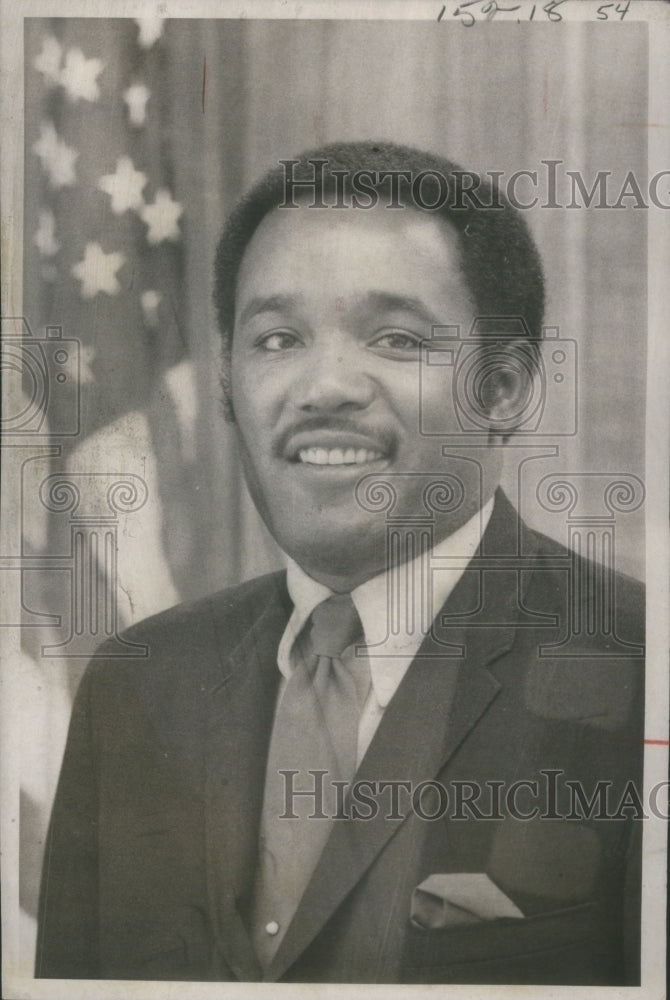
(439, 701)
(240, 717)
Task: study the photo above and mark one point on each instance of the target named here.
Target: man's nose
(334, 379)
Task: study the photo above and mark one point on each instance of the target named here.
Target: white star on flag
(136, 98)
(161, 217)
(56, 157)
(124, 187)
(79, 76)
(97, 271)
(45, 237)
(150, 300)
(151, 29)
(48, 61)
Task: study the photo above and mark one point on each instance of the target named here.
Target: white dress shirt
(394, 630)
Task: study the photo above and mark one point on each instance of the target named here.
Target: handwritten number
(467, 13)
(492, 8)
(551, 12)
(489, 9)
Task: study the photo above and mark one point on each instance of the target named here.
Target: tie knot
(335, 625)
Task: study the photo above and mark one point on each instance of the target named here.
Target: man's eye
(398, 340)
(280, 340)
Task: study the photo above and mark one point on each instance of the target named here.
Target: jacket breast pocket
(550, 948)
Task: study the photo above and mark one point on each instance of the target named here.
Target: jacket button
(272, 928)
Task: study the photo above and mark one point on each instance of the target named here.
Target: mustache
(379, 437)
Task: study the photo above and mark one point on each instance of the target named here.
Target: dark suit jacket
(152, 846)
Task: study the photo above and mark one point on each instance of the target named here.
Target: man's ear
(508, 384)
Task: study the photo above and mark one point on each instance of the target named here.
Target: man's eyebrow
(377, 301)
(389, 302)
(269, 303)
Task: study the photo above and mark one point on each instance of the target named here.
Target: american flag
(104, 272)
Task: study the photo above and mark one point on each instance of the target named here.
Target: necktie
(315, 730)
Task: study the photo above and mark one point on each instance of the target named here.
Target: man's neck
(346, 582)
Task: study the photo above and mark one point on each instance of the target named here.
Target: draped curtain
(123, 264)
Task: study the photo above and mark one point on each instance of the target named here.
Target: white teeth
(338, 456)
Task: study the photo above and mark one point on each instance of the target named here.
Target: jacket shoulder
(240, 602)
(193, 631)
(626, 594)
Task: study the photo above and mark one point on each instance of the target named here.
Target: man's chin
(341, 556)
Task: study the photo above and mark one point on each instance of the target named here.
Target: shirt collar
(389, 654)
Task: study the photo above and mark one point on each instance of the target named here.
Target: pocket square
(453, 899)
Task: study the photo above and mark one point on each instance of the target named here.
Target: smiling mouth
(338, 456)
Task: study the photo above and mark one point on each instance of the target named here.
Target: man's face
(331, 308)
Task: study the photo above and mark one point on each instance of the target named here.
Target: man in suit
(390, 763)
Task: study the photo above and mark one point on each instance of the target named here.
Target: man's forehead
(370, 300)
(317, 238)
(332, 218)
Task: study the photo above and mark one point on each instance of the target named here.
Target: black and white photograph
(335, 453)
